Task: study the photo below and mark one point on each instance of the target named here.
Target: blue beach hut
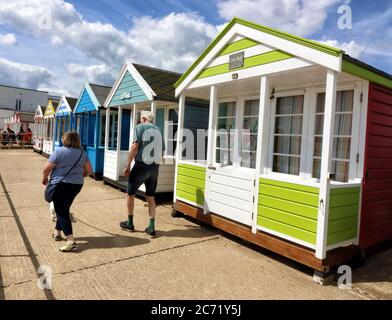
(89, 121)
(63, 119)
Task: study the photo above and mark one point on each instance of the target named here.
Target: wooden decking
(283, 247)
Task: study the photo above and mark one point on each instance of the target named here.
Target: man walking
(146, 150)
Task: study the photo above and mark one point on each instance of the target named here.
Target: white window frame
(305, 119)
(355, 131)
(308, 129)
(239, 117)
(166, 130)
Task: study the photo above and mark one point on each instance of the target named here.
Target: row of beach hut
(317, 123)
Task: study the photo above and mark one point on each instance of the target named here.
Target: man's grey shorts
(143, 173)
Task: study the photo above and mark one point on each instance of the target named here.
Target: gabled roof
(161, 81)
(50, 110)
(156, 84)
(68, 103)
(100, 92)
(96, 96)
(39, 113)
(308, 50)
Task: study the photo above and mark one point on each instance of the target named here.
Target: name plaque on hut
(236, 60)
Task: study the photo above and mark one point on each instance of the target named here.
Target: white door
(231, 180)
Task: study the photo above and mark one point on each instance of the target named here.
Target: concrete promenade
(186, 261)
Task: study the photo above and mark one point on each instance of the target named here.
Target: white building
(13, 99)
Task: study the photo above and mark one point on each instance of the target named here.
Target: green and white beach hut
(293, 177)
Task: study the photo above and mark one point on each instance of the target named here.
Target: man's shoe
(124, 225)
(151, 234)
(70, 246)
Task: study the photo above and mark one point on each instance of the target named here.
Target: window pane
(224, 156)
(290, 105)
(227, 109)
(345, 101)
(340, 169)
(225, 139)
(288, 125)
(287, 145)
(251, 125)
(341, 148)
(343, 124)
(320, 107)
(286, 164)
(319, 125)
(226, 123)
(252, 108)
(318, 146)
(249, 142)
(316, 168)
(248, 159)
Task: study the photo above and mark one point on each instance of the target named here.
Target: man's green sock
(130, 221)
(151, 226)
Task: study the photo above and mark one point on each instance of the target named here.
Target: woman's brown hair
(71, 139)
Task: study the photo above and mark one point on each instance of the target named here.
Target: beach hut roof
(161, 81)
(100, 92)
(284, 46)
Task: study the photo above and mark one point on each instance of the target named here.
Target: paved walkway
(186, 261)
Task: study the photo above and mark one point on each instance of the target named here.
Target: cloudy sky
(57, 45)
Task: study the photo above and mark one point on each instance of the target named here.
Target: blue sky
(90, 40)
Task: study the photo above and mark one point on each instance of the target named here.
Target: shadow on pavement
(117, 241)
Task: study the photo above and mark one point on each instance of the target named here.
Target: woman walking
(67, 168)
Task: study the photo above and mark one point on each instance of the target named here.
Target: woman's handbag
(51, 187)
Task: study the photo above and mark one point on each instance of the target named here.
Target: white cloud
(300, 17)
(173, 42)
(352, 48)
(166, 44)
(24, 75)
(100, 74)
(8, 39)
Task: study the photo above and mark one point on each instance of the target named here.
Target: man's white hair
(147, 115)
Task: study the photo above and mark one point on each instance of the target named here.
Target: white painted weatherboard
(231, 196)
(110, 165)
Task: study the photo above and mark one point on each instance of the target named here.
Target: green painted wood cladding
(261, 59)
(343, 214)
(191, 181)
(288, 208)
(238, 46)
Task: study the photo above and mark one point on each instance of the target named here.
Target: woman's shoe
(72, 218)
(70, 246)
(57, 238)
